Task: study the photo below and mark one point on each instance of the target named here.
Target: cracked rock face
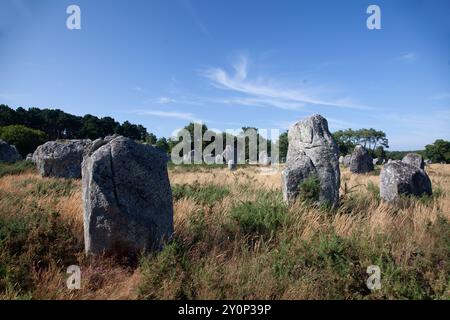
(127, 198)
(61, 158)
(399, 178)
(414, 159)
(8, 153)
(361, 161)
(312, 151)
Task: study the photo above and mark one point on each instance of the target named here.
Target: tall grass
(234, 239)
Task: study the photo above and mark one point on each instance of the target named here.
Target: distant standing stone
(341, 160)
(8, 153)
(400, 178)
(312, 152)
(61, 158)
(361, 161)
(414, 159)
(127, 198)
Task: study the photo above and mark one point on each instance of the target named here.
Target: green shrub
(25, 139)
(204, 194)
(16, 168)
(263, 216)
(309, 189)
(32, 240)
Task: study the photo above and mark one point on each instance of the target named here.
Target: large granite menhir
(399, 178)
(127, 198)
(61, 158)
(312, 152)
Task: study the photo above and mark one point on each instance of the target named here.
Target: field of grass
(234, 239)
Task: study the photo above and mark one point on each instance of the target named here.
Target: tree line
(27, 129)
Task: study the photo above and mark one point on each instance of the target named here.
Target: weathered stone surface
(61, 158)
(399, 178)
(127, 198)
(312, 151)
(8, 153)
(347, 160)
(414, 159)
(361, 161)
(341, 160)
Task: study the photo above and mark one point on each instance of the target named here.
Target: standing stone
(414, 159)
(312, 153)
(29, 157)
(361, 161)
(127, 198)
(400, 178)
(347, 160)
(8, 153)
(375, 161)
(428, 162)
(341, 160)
(61, 158)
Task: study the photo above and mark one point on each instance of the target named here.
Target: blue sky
(268, 64)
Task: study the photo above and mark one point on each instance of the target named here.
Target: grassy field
(234, 239)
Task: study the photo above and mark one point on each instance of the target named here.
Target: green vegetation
(25, 139)
(16, 168)
(261, 217)
(438, 152)
(309, 189)
(205, 194)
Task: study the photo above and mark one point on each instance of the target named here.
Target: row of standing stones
(127, 197)
(312, 151)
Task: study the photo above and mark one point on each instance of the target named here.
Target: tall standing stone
(312, 153)
(361, 161)
(127, 198)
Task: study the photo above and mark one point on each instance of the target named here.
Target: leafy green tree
(439, 151)
(151, 139)
(163, 144)
(283, 142)
(25, 139)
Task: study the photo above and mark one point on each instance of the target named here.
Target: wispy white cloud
(409, 57)
(187, 5)
(168, 114)
(269, 92)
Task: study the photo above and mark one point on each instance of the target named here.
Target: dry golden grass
(212, 258)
